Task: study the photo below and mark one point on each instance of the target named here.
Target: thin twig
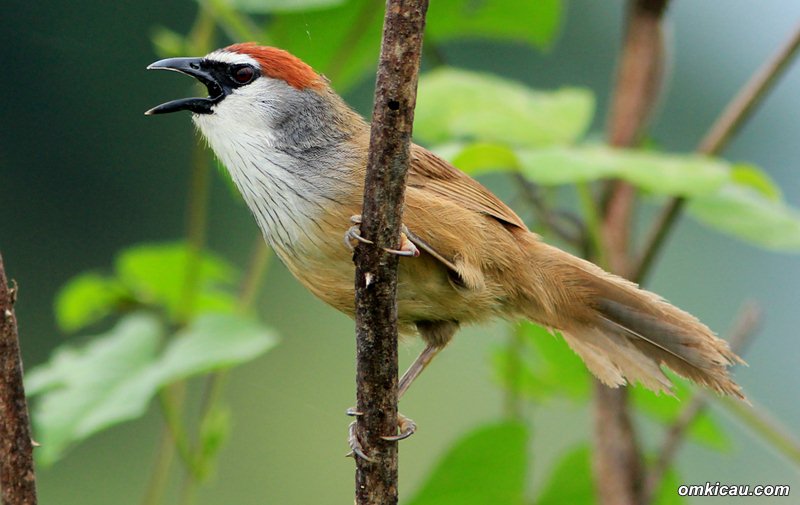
(574, 233)
(727, 124)
(376, 271)
(747, 323)
(757, 419)
(17, 477)
(617, 457)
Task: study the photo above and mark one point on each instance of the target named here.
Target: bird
(298, 154)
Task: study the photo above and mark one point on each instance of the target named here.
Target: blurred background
(83, 174)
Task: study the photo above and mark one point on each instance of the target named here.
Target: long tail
(624, 333)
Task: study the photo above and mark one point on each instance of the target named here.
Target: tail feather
(624, 333)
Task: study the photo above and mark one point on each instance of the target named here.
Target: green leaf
(479, 158)
(486, 467)
(86, 299)
(168, 43)
(85, 390)
(343, 41)
(666, 174)
(667, 493)
(113, 378)
(544, 367)
(156, 274)
(536, 22)
(571, 480)
(211, 342)
(749, 215)
(276, 6)
(753, 177)
(666, 409)
(457, 104)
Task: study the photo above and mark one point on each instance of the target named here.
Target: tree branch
(376, 271)
(618, 464)
(17, 477)
(726, 125)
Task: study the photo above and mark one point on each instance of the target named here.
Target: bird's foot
(353, 235)
(356, 449)
(405, 425)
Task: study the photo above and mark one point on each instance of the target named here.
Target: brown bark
(17, 478)
(376, 271)
(618, 466)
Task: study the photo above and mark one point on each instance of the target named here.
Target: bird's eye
(243, 73)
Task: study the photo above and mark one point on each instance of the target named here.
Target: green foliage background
(93, 193)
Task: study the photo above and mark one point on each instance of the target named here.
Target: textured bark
(618, 466)
(376, 271)
(17, 478)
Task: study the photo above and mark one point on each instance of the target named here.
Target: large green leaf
(210, 342)
(748, 214)
(482, 157)
(86, 299)
(113, 378)
(486, 467)
(753, 177)
(80, 387)
(457, 104)
(278, 6)
(343, 40)
(156, 274)
(660, 173)
(536, 21)
(571, 480)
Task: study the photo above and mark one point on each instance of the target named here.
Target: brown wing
(436, 190)
(433, 174)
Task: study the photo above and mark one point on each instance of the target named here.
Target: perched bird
(298, 154)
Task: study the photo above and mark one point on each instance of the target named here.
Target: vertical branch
(376, 271)
(639, 79)
(617, 459)
(17, 478)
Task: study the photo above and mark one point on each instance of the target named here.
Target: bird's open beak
(197, 68)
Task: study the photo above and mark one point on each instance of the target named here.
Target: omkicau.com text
(717, 489)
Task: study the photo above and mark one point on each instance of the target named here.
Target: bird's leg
(416, 368)
(436, 334)
(406, 426)
(353, 234)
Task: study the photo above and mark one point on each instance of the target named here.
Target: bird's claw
(405, 425)
(407, 247)
(353, 234)
(356, 450)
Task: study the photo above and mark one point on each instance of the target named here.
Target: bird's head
(261, 91)
(239, 75)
